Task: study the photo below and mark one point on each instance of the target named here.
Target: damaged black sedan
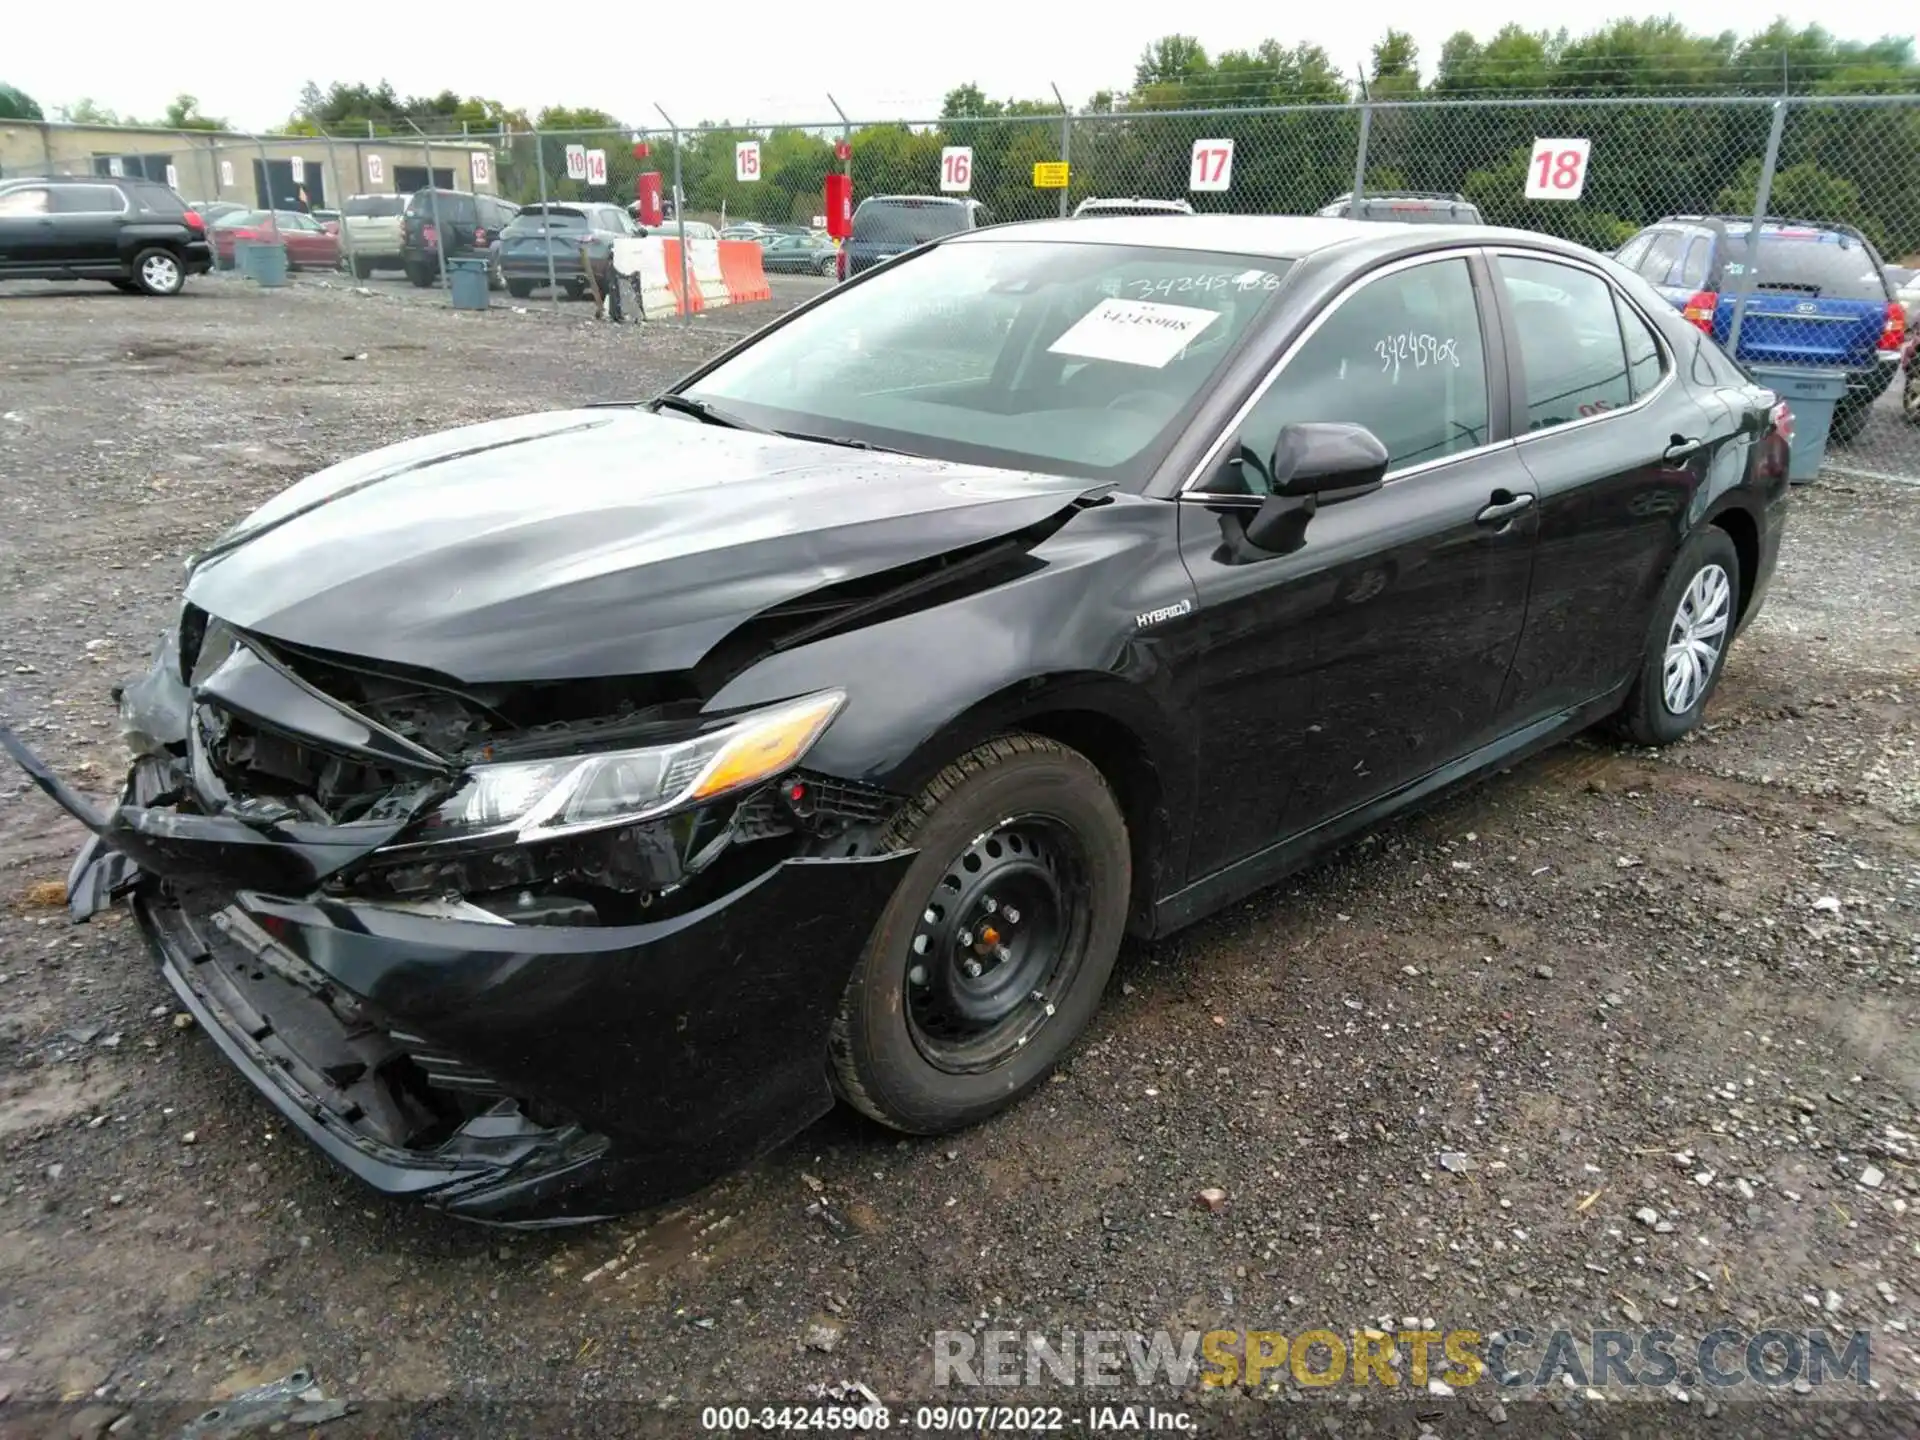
(552, 815)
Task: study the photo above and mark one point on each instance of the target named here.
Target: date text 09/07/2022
(943, 1419)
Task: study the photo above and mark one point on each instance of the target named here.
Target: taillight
(429, 236)
(479, 237)
(195, 222)
(1700, 309)
(1777, 450)
(1894, 336)
(1782, 416)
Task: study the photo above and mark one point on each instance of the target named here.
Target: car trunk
(1813, 302)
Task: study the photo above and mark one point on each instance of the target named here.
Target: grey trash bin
(1811, 395)
(467, 278)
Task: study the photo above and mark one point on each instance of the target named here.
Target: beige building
(222, 165)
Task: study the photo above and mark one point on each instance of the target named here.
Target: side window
(1660, 258)
(24, 202)
(1570, 341)
(88, 200)
(1645, 363)
(1400, 355)
(1693, 270)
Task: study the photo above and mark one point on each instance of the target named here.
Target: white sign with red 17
(576, 162)
(1212, 167)
(596, 167)
(1557, 170)
(482, 167)
(956, 168)
(746, 160)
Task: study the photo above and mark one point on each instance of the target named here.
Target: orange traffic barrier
(683, 303)
(746, 277)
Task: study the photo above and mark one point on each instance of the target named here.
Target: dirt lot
(1571, 976)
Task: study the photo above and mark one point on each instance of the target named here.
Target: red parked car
(309, 247)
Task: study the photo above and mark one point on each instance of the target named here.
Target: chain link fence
(1840, 160)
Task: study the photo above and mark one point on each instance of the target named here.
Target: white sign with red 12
(956, 168)
(376, 170)
(576, 162)
(596, 167)
(746, 160)
(1212, 167)
(1557, 170)
(482, 167)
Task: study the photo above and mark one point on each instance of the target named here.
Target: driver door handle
(1681, 449)
(1503, 507)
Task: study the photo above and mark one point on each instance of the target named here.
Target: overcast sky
(739, 61)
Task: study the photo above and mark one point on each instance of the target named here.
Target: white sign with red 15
(956, 168)
(596, 167)
(746, 160)
(1557, 170)
(576, 162)
(1212, 167)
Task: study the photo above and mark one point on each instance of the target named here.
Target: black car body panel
(516, 1033)
(84, 227)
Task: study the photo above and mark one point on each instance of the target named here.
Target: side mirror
(1314, 464)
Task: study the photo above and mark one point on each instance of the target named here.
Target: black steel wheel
(991, 956)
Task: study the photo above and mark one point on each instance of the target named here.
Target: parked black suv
(468, 225)
(135, 234)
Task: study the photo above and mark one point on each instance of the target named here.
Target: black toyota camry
(550, 815)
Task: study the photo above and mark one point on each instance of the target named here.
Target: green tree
(184, 114)
(85, 112)
(18, 105)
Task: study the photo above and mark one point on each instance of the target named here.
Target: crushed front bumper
(597, 1069)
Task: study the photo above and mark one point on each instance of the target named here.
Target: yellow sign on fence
(1050, 175)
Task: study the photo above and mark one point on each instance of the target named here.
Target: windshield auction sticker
(1134, 332)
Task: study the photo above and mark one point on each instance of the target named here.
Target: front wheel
(990, 958)
(519, 289)
(1687, 641)
(1910, 400)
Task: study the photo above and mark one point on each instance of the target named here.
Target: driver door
(1374, 652)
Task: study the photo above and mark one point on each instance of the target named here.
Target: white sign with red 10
(1557, 169)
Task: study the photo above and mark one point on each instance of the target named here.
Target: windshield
(1075, 359)
(896, 222)
(361, 206)
(1827, 266)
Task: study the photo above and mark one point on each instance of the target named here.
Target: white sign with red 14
(482, 167)
(746, 160)
(1557, 170)
(956, 168)
(596, 167)
(1212, 167)
(576, 162)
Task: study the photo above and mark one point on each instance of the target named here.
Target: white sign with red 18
(746, 160)
(1557, 170)
(956, 168)
(596, 167)
(1212, 167)
(576, 162)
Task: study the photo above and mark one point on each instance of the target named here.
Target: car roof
(1278, 237)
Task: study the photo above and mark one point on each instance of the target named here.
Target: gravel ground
(1657, 1011)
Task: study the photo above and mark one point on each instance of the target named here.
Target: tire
(362, 270)
(902, 1050)
(125, 287)
(1849, 419)
(158, 272)
(1910, 399)
(1660, 709)
(519, 289)
(575, 288)
(420, 275)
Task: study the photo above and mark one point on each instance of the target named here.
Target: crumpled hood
(588, 542)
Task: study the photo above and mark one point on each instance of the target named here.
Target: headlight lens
(542, 799)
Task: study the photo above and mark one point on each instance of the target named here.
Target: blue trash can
(242, 266)
(262, 262)
(467, 278)
(1811, 395)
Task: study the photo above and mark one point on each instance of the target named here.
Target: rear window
(364, 206)
(556, 217)
(1828, 267)
(449, 206)
(898, 223)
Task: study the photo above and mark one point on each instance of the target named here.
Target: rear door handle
(1681, 449)
(1503, 507)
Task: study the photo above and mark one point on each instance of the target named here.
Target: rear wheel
(1849, 419)
(990, 958)
(1910, 400)
(362, 269)
(158, 272)
(1687, 641)
(420, 275)
(519, 289)
(575, 289)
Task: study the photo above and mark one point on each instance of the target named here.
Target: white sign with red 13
(1557, 169)
(1212, 167)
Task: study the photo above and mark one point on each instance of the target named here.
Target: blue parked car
(1819, 297)
(888, 225)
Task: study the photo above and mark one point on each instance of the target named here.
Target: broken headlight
(543, 799)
